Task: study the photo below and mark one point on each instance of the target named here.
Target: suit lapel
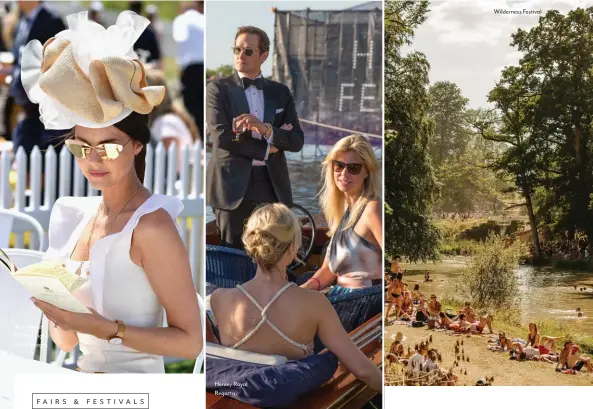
(238, 98)
(269, 102)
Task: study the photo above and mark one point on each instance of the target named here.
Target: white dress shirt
(188, 33)
(255, 99)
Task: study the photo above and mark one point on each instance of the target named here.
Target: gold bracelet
(268, 131)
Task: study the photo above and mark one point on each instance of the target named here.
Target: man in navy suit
(36, 23)
(249, 168)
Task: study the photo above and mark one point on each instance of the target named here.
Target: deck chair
(226, 267)
(7, 219)
(200, 358)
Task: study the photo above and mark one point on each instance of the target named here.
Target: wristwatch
(118, 338)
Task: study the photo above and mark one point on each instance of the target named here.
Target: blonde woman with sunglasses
(350, 203)
(125, 242)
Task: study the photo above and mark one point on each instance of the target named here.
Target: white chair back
(7, 218)
(200, 358)
(20, 319)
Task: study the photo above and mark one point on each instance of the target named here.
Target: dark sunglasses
(248, 51)
(106, 151)
(353, 168)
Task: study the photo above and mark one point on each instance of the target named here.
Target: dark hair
(461, 316)
(135, 6)
(136, 127)
(396, 257)
(264, 40)
(442, 314)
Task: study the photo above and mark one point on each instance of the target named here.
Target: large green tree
(547, 117)
(559, 55)
(546, 121)
(458, 155)
(514, 127)
(448, 109)
(410, 185)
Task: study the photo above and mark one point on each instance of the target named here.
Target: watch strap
(121, 329)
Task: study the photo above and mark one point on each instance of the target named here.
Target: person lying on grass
(535, 344)
(464, 325)
(501, 344)
(469, 312)
(576, 362)
(444, 320)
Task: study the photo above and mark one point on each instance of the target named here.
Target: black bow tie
(257, 83)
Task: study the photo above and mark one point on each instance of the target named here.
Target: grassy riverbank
(509, 323)
(482, 362)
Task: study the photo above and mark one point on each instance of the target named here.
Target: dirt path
(484, 363)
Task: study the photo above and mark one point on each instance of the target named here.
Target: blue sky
(223, 18)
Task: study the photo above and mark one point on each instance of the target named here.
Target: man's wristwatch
(118, 338)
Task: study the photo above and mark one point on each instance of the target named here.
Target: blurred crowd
(179, 119)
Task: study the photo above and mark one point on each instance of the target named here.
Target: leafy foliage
(545, 124)
(489, 281)
(410, 185)
(222, 71)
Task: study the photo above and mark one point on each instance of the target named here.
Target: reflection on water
(545, 291)
(304, 169)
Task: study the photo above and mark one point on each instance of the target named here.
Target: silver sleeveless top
(355, 260)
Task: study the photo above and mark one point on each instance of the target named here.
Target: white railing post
(5, 189)
(159, 169)
(65, 172)
(20, 199)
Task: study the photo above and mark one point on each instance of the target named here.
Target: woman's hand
(311, 284)
(92, 324)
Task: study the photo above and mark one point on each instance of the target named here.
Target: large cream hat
(89, 75)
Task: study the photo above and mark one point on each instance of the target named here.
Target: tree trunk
(532, 222)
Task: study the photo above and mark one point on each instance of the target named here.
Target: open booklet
(48, 281)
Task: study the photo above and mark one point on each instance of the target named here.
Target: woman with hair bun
(260, 315)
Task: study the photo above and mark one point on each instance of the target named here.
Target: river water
(304, 169)
(545, 292)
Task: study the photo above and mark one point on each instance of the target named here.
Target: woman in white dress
(126, 241)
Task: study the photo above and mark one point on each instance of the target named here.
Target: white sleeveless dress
(117, 288)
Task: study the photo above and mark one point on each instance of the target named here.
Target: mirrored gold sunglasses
(106, 151)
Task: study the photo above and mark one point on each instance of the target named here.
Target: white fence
(162, 177)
